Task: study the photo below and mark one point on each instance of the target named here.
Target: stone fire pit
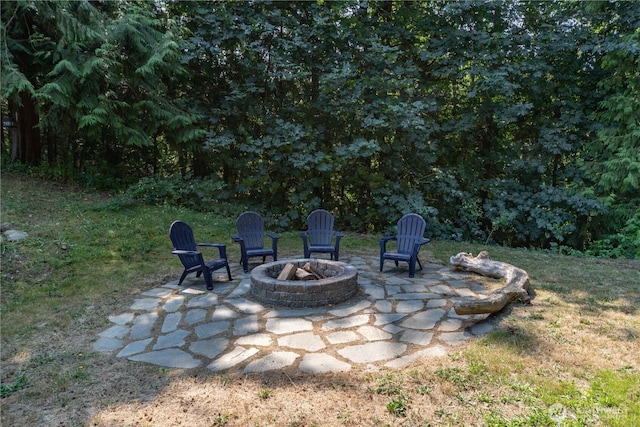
(340, 284)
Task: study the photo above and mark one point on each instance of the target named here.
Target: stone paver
(392, 322)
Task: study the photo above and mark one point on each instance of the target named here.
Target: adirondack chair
(251, 237)
(185, 246)
(409, 238)
(319, 236)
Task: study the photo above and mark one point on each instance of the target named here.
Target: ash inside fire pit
(339, 284)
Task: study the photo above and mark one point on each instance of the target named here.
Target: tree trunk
(26, 145)
(516, 287)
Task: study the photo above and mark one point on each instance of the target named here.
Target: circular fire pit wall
(340, 284)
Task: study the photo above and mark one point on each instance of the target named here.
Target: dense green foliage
(511, 122)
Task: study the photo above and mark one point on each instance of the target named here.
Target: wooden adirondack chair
(251, 237)
(409, 238)
(185, 246)
(319, 237)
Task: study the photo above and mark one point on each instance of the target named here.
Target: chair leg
(228, 272)
(208, 278)
(184, 274)
(419, 263)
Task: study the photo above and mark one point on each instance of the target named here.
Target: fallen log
(516, 287)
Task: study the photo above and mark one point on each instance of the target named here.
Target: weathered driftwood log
(517, 283)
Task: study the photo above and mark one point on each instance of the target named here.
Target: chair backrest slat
(250, 227)
(182, 238)
(410, 228)
(320, 227)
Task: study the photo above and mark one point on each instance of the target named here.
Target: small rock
(15, 235)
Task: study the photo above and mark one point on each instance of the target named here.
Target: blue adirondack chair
(409, 239)
(319, 237)
(185, 246)
(251, 237)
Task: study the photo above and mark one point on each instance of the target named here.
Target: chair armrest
(183, 252)
(273, 236)
(236, 238)
(222, 248)
(383, 242)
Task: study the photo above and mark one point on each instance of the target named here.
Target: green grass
(571, 358)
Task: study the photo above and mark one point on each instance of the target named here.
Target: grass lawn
(571, 358)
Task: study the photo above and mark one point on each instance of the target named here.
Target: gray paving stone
(385, 318)
(393, 290)
(107, 344)
(465, 292)
(245, 325)
(173, 339)
(384, 306)
(414, 288)
(307, 341)
(170, 358)
(450, 325)
(393, 329)
(246, 306)
(288, 325)
(342, 337)
(195, 315)
(261, 340)
(423, 320)
(482, 328)
(145, 304)
(242, 289)
(416, 295)
(295, 312)
(206, 300)
(209, 348)
(434, 303)
(192, 291)
(416, 337)
(171, 322)
(401, 362)
(320, 363)
(208, 330)
(116, 331)
(351, 309)
(134, 347)
(173, 303)
(222, 312)
(237, 355)
(371, 333)
(346, 322)
(410, 306)
(158, 292)
(393, 280)
(454, 338)
(270, 362)
(122, 319)
(373, 352)
(374, 291)
(442, 290)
